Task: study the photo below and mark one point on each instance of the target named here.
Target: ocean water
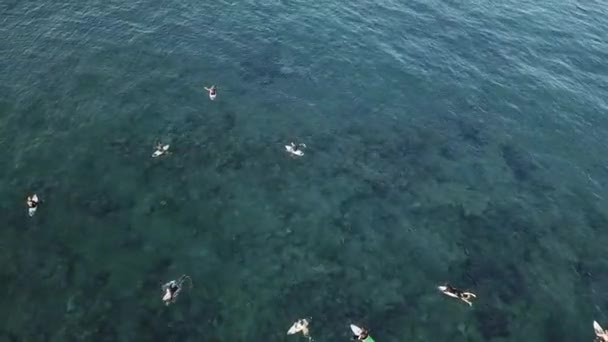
(448, 141)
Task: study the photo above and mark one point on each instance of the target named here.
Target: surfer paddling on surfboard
(600, 333)
(172, 289)
(295, 150)
(453, 292)
(32, 204)
(360, 334)
(212, 92)
(160, 150)
(298, 326)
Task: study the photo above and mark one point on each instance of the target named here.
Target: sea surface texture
(447, 141)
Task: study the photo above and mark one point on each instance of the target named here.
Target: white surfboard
(32, 211)
(167, 295)
(444, 289)
(212, 96)
(290, 149)
(293, 329)
(300, 325)
(356, 330)
(160, 152)
(598, 329)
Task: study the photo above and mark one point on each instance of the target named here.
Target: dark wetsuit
(173, 289)
(454, 290)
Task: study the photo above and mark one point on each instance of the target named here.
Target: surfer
(212, 92)
(160, 150)
(295, 150)
(466, 297)
(360, 334)
(600, 333)
(300, 325)
(173, 288)
(32, 204)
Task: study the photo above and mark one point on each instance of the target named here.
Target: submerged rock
(493, 322)
(519, 161)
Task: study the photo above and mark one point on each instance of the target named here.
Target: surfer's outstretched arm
(467, 297)
(183, 279)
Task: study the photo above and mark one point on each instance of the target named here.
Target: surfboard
(293, 329)
(167, 295)
(598, 329)
(444, 289)
(300, 325)
(356, 330)
(290, 149)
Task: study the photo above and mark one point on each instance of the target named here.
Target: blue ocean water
(447, 141)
